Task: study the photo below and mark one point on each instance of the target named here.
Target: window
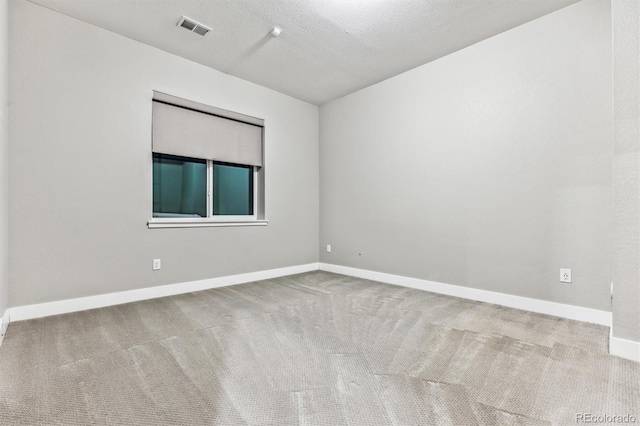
(206, 167)
(181, 188)
(232, 189)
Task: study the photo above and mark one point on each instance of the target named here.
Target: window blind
(187, 129)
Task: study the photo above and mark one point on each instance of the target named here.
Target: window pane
(179, 186)
(232, 190)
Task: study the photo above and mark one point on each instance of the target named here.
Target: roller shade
(182, 131)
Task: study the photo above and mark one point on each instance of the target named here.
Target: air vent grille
(193, 26)
(199, 29)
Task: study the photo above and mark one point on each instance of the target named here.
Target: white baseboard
(91, 302)
(623, 348)
(534, 305)
(4, 324)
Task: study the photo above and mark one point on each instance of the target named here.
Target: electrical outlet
(328, 248)
(156, 264)
(565, 275)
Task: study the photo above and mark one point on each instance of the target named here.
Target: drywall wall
(488, 168)
(4, 162)
(81, 167)
(625, 18)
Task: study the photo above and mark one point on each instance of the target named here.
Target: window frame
(211, 219)
(258, 218)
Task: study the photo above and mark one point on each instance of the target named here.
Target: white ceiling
(327, 49)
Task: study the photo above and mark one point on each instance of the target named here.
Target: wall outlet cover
(565, 275)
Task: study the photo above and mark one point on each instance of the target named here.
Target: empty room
(319, 212)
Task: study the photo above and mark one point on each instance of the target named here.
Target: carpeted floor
(311, 349)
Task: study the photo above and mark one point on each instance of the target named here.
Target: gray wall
(626, 169)
(4, 162)
(488, 168)
(81, 167)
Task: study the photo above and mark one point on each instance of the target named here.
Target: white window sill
(201, 223)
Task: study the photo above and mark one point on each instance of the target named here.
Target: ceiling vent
(193, 26)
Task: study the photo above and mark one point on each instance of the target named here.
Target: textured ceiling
(327, 49)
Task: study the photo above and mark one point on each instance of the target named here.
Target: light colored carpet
(310, 349)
